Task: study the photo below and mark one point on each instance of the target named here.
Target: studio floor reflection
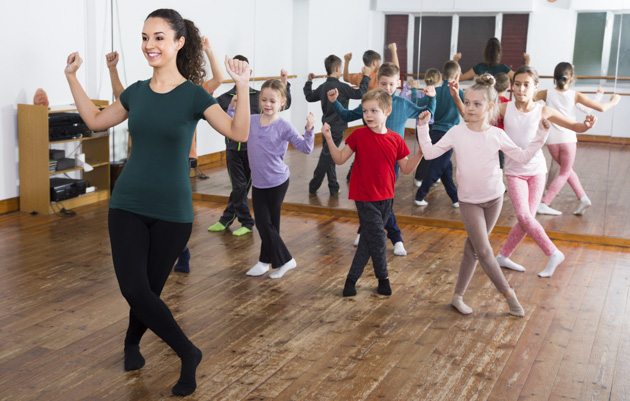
(609, 192)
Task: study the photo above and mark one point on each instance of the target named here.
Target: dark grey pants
(372, 243)
(326, 166)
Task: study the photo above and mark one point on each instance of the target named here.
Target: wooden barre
(231, 81)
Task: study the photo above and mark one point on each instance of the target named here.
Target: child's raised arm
(338, 156)
(343, 113)
(217, 72)
(581, 98)
(515, 152)
(112, 60)
(454, 88)
(346, 63)
(429, 150)
(394, 51)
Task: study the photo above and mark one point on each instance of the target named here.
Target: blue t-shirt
(155, 181)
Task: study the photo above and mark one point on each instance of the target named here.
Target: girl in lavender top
(269, 138)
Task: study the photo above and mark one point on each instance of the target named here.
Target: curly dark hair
(190, 60)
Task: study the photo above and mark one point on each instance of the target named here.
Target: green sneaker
(217, 227)
(242, 231)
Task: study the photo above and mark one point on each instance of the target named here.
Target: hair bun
(486, 79)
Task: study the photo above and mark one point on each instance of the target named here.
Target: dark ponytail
(561, 74)
(190, 60)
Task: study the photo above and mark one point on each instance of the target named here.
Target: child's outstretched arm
(217, 72)
(557, 118)
(454, 88)
(284, 77)
(112, 60)
(515, 152)
(343, 113)
(339, 156)
(581, 98)
(346, 63)
(310, 94)
(357, 93)
(429, 150)
(394, 51)
(304, 143)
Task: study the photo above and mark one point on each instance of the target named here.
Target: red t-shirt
(373, 177)
(499, 123)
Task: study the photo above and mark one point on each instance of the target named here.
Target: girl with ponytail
(150, 211)
(562, 143)
(480, 181)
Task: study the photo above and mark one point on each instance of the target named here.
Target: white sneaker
(455, 204)
(417, 182)
(543, 208)
(421, 202)
(356, 241)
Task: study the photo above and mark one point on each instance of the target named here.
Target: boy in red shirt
(377, 150)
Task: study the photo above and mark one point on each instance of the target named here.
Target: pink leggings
(525, 192)
(564, 155)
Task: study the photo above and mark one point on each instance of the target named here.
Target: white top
(521, 128)
(479, 177)
(564, 102)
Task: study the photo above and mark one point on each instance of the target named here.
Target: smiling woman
(150, 215)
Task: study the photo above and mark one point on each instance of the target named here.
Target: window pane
(514, 39)
(435, 42)
(589, 43)
(474, 32)
(622, 22)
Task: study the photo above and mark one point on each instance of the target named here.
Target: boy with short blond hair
(377, 150)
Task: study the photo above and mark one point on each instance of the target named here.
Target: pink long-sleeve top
(479, 177)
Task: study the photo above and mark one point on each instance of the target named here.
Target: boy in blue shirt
(446, 116)
(402, 110)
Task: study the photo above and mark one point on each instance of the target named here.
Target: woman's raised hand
(73, 63)
(237, 69)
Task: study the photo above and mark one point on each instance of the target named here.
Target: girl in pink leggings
(526, 181)
(480, 183)
(562, 143)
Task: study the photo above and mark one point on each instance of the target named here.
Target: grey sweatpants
(479, 220)
(372, 243)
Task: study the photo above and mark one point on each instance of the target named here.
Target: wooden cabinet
(35, 176)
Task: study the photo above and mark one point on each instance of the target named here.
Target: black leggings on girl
(144, 251)
(267, 205)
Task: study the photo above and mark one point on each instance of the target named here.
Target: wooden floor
(62, 319)
(609, 192)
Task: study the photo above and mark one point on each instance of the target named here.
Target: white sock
(259, 269)
(554, 260)
(455, 204)
(420, 202)
(515, 307)
(356, 241)
(399, 249)
(283, 269)
(508, 264)
(458, 303)
(543, 208)
(585, 203)
(417, 182)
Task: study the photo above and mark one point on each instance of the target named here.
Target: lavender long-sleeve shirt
(267, 146)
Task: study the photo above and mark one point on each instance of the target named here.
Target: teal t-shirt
(155, 181)
(493, 70)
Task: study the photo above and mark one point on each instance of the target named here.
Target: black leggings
(144, 251)
(267, 207)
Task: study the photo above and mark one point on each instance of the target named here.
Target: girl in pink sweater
(480, 183)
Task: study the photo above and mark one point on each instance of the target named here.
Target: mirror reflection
(595, 44)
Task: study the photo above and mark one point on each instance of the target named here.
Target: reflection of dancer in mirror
(183, 261)
(480, 182)
(237, 163)
(377, 149)
(491, 62)
(562, 143)
(268, 141)
(150, 211)
(526, 181)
